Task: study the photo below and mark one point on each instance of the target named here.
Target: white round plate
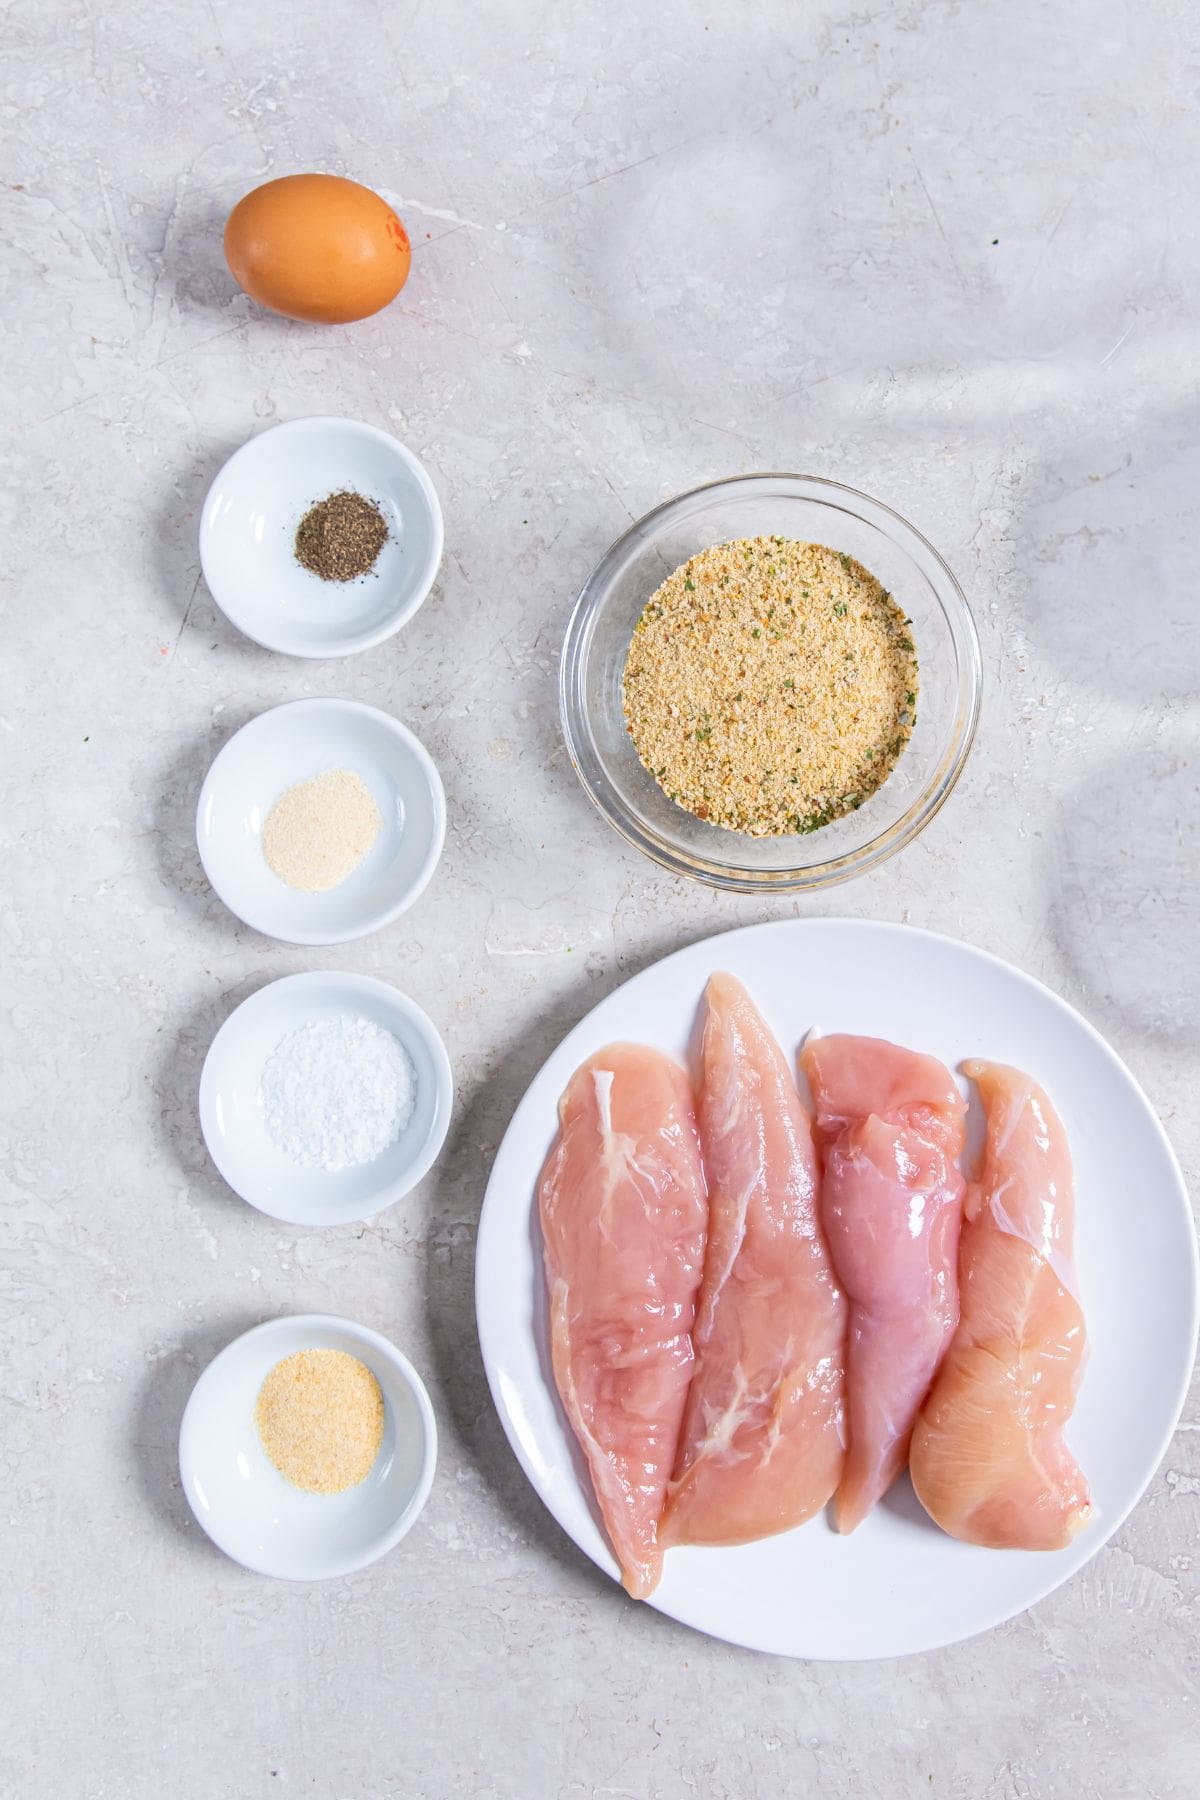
(292, 743)
(248, 537)
(897, 1584)
(254, 1513)
(231, 1110)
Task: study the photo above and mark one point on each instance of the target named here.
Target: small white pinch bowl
(231, 1109)
(251, 1511)
(290, 744)
(248, 537)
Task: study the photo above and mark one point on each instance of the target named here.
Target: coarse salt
(336, 1092)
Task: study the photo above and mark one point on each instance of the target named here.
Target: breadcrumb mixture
(771, 685)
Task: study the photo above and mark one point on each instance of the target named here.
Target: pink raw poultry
(761, 1448)
(989, 1459)
(891, 1123)
(623, 1213)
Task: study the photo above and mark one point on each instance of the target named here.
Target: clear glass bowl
(820, 512)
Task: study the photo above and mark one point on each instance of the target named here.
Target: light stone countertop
(947, 253)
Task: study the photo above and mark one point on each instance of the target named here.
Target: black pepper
(340, 537)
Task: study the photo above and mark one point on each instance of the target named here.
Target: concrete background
(946, 253)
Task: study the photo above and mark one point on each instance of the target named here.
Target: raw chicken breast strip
(891, 1123)
(989, 1460)
(761, 1447)
(623, 1211)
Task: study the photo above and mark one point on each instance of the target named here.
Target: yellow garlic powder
(318, 832)
(320, 1418)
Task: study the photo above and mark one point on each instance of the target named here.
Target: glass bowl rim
(587, 763)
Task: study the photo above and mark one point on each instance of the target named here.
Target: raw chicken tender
(623, 1211)
(762, 1447)
(891, 1123)
(989, 1460)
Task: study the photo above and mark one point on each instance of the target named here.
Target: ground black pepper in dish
(340, 537)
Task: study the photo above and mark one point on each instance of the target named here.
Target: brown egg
(317, 247)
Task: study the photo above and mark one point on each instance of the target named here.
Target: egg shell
(317, 247)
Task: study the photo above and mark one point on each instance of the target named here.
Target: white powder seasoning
(336, 1092)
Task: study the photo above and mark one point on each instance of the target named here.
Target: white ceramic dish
(292, 743)
(897, 1584)
(248, 533)
(231, 1112)
(254, 1513)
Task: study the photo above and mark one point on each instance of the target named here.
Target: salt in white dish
(248, 537)
(251, 1511)
(231, 1110)
(290, 744)
(337, 1092)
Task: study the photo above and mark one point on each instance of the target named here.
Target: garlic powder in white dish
(336, 1093)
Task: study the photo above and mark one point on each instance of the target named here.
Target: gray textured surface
(649, 250)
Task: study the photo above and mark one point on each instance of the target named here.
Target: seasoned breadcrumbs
(771, 685)
(320, 1418)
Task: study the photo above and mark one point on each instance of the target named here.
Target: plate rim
(1106, 1526)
